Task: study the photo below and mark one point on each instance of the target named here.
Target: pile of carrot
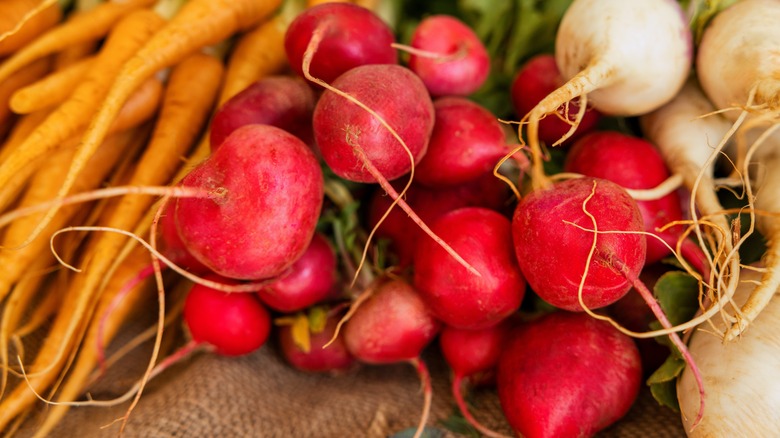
(96, 95)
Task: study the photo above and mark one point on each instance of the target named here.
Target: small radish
(626, 58)
(172, 247)
(472, 354)
(349, 136)
(537, 78)
(351, 36)
(567, 375)
(394, 325)
(467, 141)
(641, 167)
(233, 323)
(430, 203)
(281, 101)
(268, 192)
(310, 280)
(448, 56)
(457, 297)
(553, 252)
(315, 356)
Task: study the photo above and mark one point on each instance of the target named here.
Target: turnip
(473, 355)
(634, 163)
(740, 375)
(350, 36)
(311, 279)
(281, 101)
(537, 78)
(394, 325)
(456, 297)
(448, 56)
(268, 191)
(624, 58)
(467, 141)
(567, 374)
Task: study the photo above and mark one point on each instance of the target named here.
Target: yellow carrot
(82, 27)
(24, 20)
(22, 78)
(50, 90)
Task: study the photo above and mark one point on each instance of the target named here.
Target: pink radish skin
(353, 36)
(472, 355)
(567, 374)
(347, 134)
(467, 142)
(310, 280)
(641, 167)
(535, 80)
(462, 64)
(234, 324)
(430, 203)
(173, 248)
(457, 297)
(319, 359)
(268, 189)
(281, 101)
(553, 254)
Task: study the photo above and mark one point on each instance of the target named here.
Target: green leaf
(663, 382)
(677, 293)
(456, 423)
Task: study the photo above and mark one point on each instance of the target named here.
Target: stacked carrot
(104, 94)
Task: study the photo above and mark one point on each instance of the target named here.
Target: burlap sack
(260, 396)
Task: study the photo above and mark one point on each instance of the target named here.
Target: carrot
(87, 26)
(51, 90)
(139, 108)
(22, 78)
(60, 340)
(24, 20)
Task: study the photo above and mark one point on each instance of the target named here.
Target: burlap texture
(260, 396)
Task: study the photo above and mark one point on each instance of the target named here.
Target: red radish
(448, 56)
(553, 253)
(268, 192)
(471, 354)
(567, 374)
(172, 247)
(467, 141)
(430, 203)
(308, 281)
(281, 101)
(349, 136)
(537, 78)
(394, 325)
(233, 323)
(317, 358)
(625, 58)
(641, 166)
(457, 297)
(351, 36)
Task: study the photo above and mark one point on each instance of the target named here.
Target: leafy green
(703, 11)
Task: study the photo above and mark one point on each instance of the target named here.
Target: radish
(456, 297)
(349, 136)
(625, 58)
(467, 141)
(234, 324)
(473, 354)
(315, 357)
(430, 203)
(641, 167)
(268, 191)
(311, 279)
(553, 253)
(448, 56)
(351, 36)
(394, 325)
(172, 246)
(567, 374)
(737, 373)
(281, 101)
(537, 78)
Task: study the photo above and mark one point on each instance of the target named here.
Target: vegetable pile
(562, 199)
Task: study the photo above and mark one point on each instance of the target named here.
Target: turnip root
(628, 58)
(740, 376)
